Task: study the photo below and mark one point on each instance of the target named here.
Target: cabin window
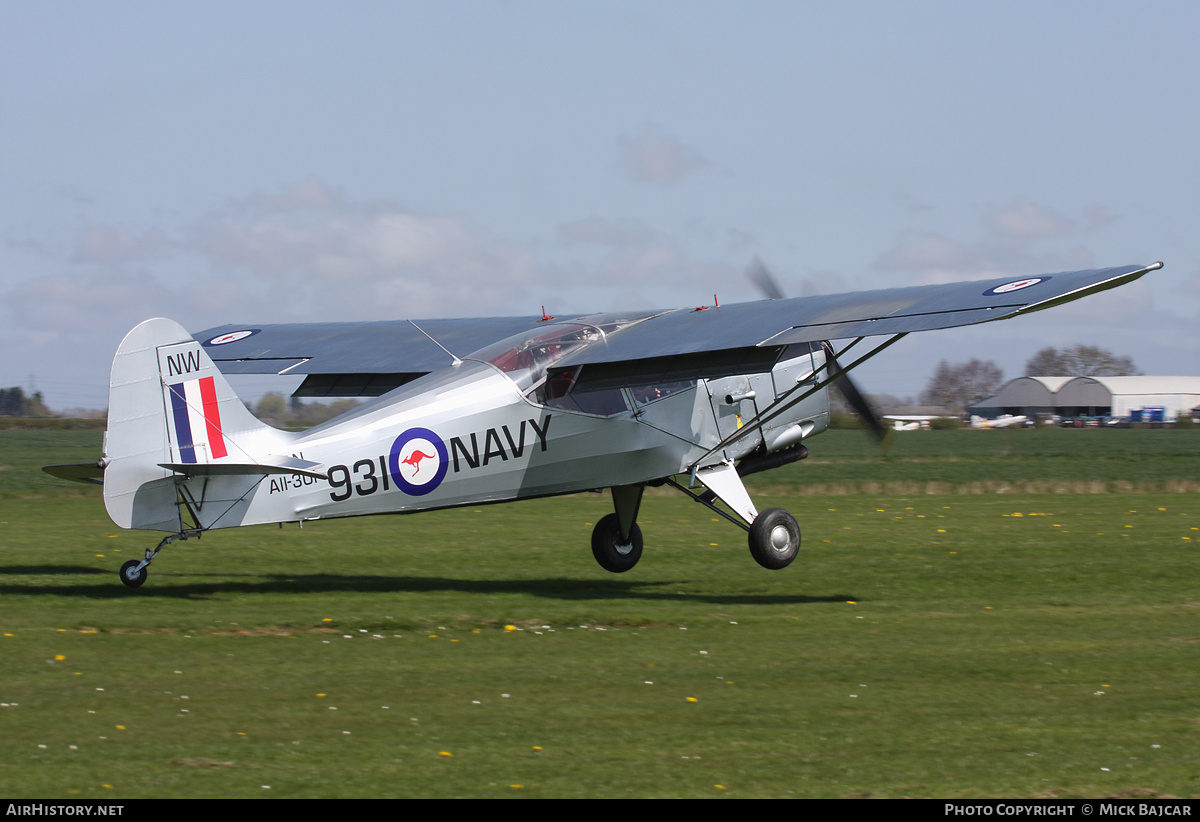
(646, 394)
(561, 390)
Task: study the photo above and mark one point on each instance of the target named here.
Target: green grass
(948, 645)
(990, 461)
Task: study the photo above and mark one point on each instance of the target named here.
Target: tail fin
(171, 413)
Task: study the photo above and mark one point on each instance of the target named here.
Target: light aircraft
(491, 410)
(1003, 421)
(911, 422)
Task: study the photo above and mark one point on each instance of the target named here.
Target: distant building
(1116, 397)
(1024, 396)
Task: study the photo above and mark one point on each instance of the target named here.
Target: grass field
(980, 640)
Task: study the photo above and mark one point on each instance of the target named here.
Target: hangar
(1023, 396)
(1092, 396)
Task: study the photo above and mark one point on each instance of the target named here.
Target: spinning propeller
(765, 282)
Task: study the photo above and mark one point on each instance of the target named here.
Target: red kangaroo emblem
(414, 459)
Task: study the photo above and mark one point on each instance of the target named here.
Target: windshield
(525, 357)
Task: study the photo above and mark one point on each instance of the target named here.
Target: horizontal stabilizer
(277, 465)
(90, 472)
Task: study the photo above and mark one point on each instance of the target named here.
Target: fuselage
(468, 434)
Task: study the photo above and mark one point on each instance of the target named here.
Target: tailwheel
(774, 539)
(614, 552)
(132, 575)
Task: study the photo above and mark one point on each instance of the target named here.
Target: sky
(259, 162)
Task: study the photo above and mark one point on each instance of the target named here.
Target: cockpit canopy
(526, 357)
(529, 359)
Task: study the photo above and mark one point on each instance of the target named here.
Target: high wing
(365, 359)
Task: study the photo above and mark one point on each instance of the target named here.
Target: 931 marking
(372, 476)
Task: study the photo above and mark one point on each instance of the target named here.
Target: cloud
(318, 255)
(921, 252)
(652, 157)
(1098, 217)
(1018, 239)
(109, 245)
(308, 195)
(615, 234)
(68, 303)
(1024, 219)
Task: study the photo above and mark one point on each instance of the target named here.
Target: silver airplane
(476, 411)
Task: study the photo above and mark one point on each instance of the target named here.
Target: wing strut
(833, 371)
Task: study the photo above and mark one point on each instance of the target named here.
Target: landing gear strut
(133, 573)
(774, 535)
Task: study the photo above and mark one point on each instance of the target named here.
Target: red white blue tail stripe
(197, 420)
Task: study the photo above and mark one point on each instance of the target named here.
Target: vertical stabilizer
(169, 405)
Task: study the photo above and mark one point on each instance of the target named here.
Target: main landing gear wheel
(610, 550)
(774, 539)
(131, 575)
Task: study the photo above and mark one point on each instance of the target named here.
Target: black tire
(613, 553)
(131, 577)
(774, 539)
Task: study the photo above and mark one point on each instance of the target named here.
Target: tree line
(15, 403)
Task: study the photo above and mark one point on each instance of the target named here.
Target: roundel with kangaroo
(418, 461)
